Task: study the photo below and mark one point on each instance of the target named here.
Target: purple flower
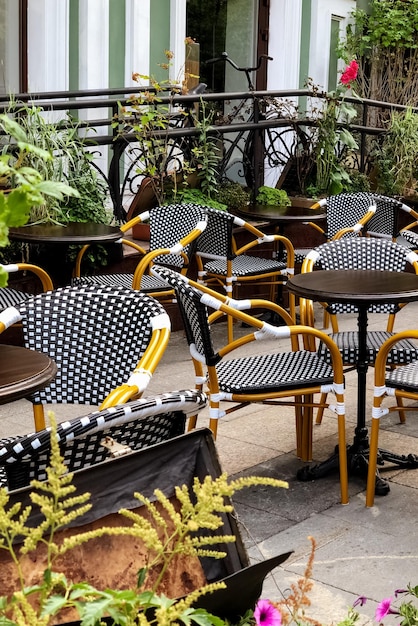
(266, 614)
(384, 608)
(361, 600)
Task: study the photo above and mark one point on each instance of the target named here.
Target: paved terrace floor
(369, 552)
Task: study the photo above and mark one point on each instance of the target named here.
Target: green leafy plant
(331, 174)
(23, 185)
(384, 40)
(272, 196)
(69, 162)
(233, 195)
(397, 157)
(177, 532)
(196, 196)
(171, 165)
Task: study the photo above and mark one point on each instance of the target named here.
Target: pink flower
(384, 608)
(266, 614)
(349, 74)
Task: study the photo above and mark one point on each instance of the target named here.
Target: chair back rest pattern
(385, 221)
(137, 424)
(216, 240)
(194, 314)
(345, 210)
(96, 334)
(169, 224)
(363, 253)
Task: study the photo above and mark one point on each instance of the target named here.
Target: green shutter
(74, 43)
(117, 19)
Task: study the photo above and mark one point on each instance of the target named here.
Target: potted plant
(172, 169)
(47, 525)
(72, 164)
(23, 186)
(272, 197)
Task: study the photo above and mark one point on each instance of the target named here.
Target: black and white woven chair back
(98, 436)
(345, 210)
(194, 312)
(216, 240)
(169, 224)
(12, 297)
(384, 222)
(96, 334)
(363, 253)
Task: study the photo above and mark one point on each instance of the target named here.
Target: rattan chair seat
(271, 372)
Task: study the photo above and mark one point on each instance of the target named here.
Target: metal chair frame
(264, 378)
(401, 383)
(221, 262)
(174, 230)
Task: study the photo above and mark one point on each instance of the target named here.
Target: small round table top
(355, 286)
(285, 214)
(72, 233)
(23, 371)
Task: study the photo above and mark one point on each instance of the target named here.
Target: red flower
(349, 74)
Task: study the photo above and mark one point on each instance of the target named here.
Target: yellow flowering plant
(176, 531)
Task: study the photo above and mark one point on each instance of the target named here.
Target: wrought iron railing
(264, 136)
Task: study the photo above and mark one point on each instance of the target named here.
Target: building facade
(50, 45)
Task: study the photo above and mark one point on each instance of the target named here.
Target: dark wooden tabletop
(72, 233)
(285, 214)
(355, 286)
(22, 372)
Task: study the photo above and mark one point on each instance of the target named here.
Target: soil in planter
(105, 562)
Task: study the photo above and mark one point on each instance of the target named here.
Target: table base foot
(358, 461)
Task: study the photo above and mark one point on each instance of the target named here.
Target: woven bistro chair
(361, 253)
(106, 343)
(221, 262)
(10, 296)
(288, 378)
(385, 222)
(347, 216)
(174, 229)
(400, 383)
(98, 436)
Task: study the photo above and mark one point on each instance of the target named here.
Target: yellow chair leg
(213, 425)
(192, 422)
(320, 412)
(402, 414)
(373, 450)
(39, 416)
(298, 425)
(342, 457)
(307, 423)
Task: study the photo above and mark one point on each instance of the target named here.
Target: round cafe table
(281, 215)
(62, 236)
(73, 233)
(361, 288)
(23, 371)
